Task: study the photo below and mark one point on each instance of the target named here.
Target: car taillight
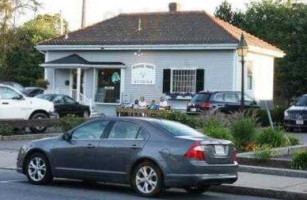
(234, 154)
(196, 151)
(206, 105)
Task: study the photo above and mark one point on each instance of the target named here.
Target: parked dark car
(33, 91)
(296, 115)
(149, 154)
(223, 101)
(65, 105)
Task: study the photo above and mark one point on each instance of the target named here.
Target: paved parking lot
(13, 186)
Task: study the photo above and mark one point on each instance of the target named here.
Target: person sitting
(162, 104)
(153, 105)
(136, 104)
(142, 103)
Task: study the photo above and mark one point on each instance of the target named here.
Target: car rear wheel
(39, 115)
(147, 179)
(197, 189)
(38, 170)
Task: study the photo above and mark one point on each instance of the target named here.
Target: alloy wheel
(146, 179)
(37, 169)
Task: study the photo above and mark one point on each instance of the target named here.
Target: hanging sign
(143, 74)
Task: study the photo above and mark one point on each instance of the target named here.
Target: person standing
(142, 103)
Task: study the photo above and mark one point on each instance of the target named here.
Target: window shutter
(166, 81)
(200, 80)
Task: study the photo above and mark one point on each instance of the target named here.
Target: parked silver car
(149, 154)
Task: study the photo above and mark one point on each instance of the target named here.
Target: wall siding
(263, 77)
(218, 66)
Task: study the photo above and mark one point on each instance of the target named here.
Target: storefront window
(108, 86)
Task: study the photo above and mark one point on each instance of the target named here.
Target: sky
(98, 10)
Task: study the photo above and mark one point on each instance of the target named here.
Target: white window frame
(172, 73)
(250, 83)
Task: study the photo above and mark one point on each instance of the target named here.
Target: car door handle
(5, 103)
(90, 146)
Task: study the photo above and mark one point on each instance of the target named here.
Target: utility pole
(83, 17)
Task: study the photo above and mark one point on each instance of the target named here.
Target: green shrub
(264, 153)
(183, 118)
(243, 131)
(69, 122)
(292, 141)
(272, 137)
(6, 130)
(217, 131)
(277, 115)
(299, 160)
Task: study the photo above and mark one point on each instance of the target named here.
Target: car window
(246, 97)
(219, 97)
(69, 100)
(8, 93)
(302, 101)
(177, 129)
(124, 130)
(90, 131)
(58, 100)
(142, 135)
(200, 97)
(231, 97)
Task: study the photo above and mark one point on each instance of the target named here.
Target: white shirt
(163, 104)
(142, 104)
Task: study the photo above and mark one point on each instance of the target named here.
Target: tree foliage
(20, 62)
(282, 24)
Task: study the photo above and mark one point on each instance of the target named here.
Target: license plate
(193, 109)
(219, 150)
(300, 122)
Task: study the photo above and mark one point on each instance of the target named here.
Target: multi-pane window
(250, 75)
(183, 81)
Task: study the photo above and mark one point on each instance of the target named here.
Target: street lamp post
(242, 52)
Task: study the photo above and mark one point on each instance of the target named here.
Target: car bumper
(291, 123)
(207, 175)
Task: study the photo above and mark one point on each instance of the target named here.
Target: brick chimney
(173, 7)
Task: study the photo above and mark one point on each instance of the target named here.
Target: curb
(259, 192)
(28, 136)
(273, 171)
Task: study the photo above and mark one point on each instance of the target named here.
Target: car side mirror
(19, 97)
(66, 136)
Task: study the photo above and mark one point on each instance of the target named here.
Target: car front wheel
(197, 189)
(147, 179)
(38, 170)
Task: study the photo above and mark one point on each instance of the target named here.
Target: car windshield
(46, 97)
(302, 101)
(200, 97)
(178, 129)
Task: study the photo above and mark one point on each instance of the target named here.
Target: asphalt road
(14, 186)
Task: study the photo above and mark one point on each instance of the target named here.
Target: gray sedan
(149, 154)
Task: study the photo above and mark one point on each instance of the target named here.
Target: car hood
(41, 103)
(297, 108)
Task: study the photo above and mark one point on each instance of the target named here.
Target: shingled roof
(162, 28)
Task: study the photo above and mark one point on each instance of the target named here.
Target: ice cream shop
(172, 54)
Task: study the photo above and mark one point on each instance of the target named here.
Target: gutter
(137, 47)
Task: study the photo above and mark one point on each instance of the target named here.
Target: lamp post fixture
(242, 52)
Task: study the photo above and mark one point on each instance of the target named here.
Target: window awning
(75, 61)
